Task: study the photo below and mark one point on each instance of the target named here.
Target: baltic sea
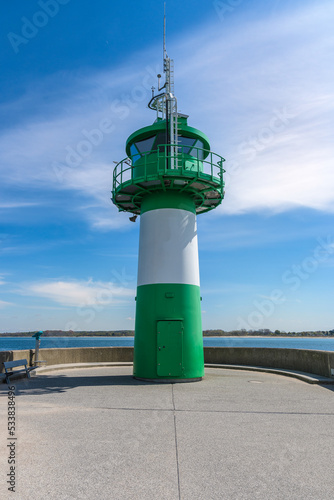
(315, 343)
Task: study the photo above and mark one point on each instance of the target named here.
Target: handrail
(181, 162)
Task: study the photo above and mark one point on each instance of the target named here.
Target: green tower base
(168, 338)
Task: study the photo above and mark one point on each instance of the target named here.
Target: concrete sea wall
(66, 355)
(316, 362)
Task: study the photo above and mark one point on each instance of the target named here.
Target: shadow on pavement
(58, 383)
(46, 384)
(330, 387)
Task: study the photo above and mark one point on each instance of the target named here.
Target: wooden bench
(9, 372)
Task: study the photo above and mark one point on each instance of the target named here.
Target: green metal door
(169, 348)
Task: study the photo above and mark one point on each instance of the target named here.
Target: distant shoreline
(268, 336)
(119, 335)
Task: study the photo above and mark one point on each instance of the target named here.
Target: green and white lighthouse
(168, 177)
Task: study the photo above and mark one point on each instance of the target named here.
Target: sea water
(314, 343)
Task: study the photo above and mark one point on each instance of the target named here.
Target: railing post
(211, 166)
(221, 170)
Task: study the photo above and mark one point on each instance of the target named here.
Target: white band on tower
(168, 249)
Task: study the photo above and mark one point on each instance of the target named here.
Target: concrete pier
(98, 433)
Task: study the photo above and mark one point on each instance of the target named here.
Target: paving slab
(97, 433)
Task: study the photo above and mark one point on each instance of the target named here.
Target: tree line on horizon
(206, 333)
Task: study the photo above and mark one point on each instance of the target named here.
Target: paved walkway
(97, 433)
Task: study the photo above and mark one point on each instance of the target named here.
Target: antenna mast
(168, 63)
(165, 53)
(165, 103)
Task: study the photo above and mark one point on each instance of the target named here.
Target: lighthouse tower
(168, 177)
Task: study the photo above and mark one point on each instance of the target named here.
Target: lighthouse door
(169, 348)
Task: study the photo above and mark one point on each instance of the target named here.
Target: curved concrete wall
(56, 356)
(317, 362)
(13, 355)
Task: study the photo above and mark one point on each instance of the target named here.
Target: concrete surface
(97, 433)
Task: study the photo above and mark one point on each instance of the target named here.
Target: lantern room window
(188, 145)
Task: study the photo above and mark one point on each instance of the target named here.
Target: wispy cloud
(4, 304)
(71, 145)
(11, 205)
(229, 288)
(245, 74)
(252, 73)
(78, 293)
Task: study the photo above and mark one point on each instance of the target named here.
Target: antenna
(164, 47)
(165, 103)
(168, 64)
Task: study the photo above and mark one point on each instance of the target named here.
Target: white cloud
(231, 81)
(229, 288)
(11, 205)
(246, 77)
(79, 293)
(103, 223)
(4, 304)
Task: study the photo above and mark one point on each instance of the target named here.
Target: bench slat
(12, 364)
(18, 362)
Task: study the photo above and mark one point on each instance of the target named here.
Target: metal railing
(169, 161)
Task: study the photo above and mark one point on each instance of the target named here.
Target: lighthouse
(169, 176)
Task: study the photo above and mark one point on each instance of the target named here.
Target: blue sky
(255, 76)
